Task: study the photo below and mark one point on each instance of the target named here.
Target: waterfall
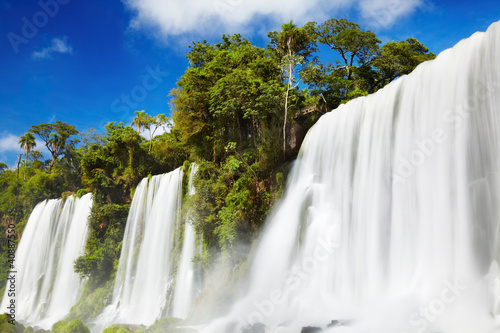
(53, 239)
(185, 279)
(390, 221)
(144, 274)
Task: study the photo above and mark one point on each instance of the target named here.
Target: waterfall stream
(53, 239)
(390, 221)
(185, 279)
(149, 261)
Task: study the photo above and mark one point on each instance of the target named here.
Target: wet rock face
(255, 328)
(334, 323)
(311, 329)
(297, 135)
(337, 323)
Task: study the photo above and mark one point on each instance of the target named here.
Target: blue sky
(94, 61)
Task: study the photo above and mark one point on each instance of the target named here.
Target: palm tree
(19, 156)
(27, 142)
(140, 120)
(288, 39)
(153, 124)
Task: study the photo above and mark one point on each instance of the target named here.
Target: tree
(35, 155)
(352, 43)
(90, 137)
(362, 66)
(355, 47)
(398, 58)
(142, 119)
(303, 42)
(152, 126)
(27, 142)
(288, 39)
(230, 93)
(19, 157)
(116, 164)
(55, 137)
(292, 45)
(55, 142)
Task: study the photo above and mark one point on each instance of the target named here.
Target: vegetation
(235, 111)
(92, 301)
(7, 327)
(117, 329)
(73, 326)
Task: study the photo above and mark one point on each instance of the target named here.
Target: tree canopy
(235, 111)
(56, 137)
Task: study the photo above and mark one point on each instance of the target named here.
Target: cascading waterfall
(53, 239)
(146, 265)
(390, 222)
(185, 280)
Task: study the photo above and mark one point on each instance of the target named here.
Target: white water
(391, 216)
(185, 279)
(146, 265)
(53, 239)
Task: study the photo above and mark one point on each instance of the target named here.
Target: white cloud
(9, 143)
(10, 147)
(383, 13)
(145, 134)
(174, 17)
(159, 131)
(57, 45)
(40, 146)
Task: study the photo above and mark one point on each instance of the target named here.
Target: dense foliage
(237, 111)
(73, 326)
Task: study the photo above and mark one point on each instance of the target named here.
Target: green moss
(117, 329)
(30, 329)
(2, 292)
(164, 324)
(102, 251)
(73, 326)
(81, 192)
(92, 302)
(66, 195)
(5, 326)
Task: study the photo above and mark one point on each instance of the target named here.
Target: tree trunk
(290, 74)
(25, 164)
(284, 123)
(19, 156)
(52, 162)
(131, 160)
(151, 137)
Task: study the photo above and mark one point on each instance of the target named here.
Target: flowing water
(186, 275)
(146, 261)
(390, 221)
(145, 277)
(46, 285)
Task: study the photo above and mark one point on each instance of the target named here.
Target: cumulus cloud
(57, 45)
(9, 148)
(145, 134)
(383, 13)
(9, 143)
(175, 17)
